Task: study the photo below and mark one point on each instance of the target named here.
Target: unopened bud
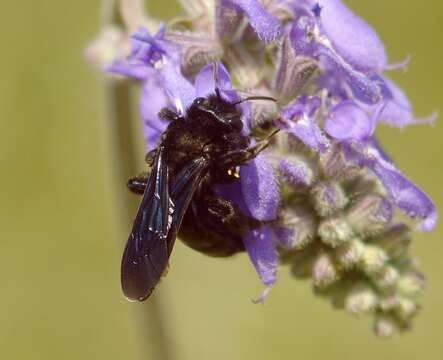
(386, 278)
(385, 326)
(197, 50)
(361, 299)
(350, 253)
(335, 231)
(294, 73)
(389, 303)
(370, 214)
(323, 271)
(406, 309)
(302, 262)
(411, 283)
(328, 198)
(373, 260)
(297, 228)
(335, 166)
(395, 241)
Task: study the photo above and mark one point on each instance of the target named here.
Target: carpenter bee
(198, 150)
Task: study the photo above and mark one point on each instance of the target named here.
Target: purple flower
(298, 118)
(349, 123)
(322, 196)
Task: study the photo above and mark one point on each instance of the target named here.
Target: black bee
(198, 150)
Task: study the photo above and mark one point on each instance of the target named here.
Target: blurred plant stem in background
(123, 148)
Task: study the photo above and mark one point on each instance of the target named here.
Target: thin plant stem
(123, 153)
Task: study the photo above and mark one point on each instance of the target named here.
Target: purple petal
(261, 250)
(406, 195)
(266, 26)
(398, 111)
(349, 121)
(152, 100)
(308, 41)
(124, 68)
(205, 83)
(260, 188)
(178, 88)
(148, 49)
(352, 37)
(403, 192)
(298, 119)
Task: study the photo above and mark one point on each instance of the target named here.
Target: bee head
(224, 113)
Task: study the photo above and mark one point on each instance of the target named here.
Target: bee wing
(182, 191)
(146, 255)
(147, 250)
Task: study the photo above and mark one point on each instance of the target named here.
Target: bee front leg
(137, 184)
(240, 157)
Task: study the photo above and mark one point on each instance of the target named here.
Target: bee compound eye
(236, 124)
(199, 101)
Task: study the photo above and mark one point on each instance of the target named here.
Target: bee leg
(150, 157)
(137, 184)
(169, 115)
(240, 157)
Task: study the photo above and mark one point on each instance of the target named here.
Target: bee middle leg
(137, 184)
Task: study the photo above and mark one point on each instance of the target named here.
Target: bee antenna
(255, 98)
(216, 79)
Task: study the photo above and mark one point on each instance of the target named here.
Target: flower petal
(152, 100)
(307, 40)
(298, 119)
(403, 192)
(406, 195)
(260, 188)
(261, 250)
(398, 111)
(349, 121)
(124, 68)
(266, 26)
(205, 82)
(352, 37)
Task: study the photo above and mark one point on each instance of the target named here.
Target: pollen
(234, 172)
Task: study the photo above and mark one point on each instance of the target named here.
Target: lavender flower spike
(321, 195)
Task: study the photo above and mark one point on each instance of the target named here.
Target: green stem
(122, 145)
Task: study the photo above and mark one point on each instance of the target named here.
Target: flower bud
(361, 299)
(389, 303)
(294, 73)
(334, 231)
(385, 326)
(411, 283)
(323, 271)
(406, 309)
(370, 214)
(297, 229)
(302, 262)
(350, 253)
(395, 241)
(373, 260)
(335, 166)
(386, 278)
(328, 198)
(197, 50)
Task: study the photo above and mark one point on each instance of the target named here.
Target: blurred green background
(62, 233)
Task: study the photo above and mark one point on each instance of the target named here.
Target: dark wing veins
(156, 225)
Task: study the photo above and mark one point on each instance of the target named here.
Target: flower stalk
(118, 96)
